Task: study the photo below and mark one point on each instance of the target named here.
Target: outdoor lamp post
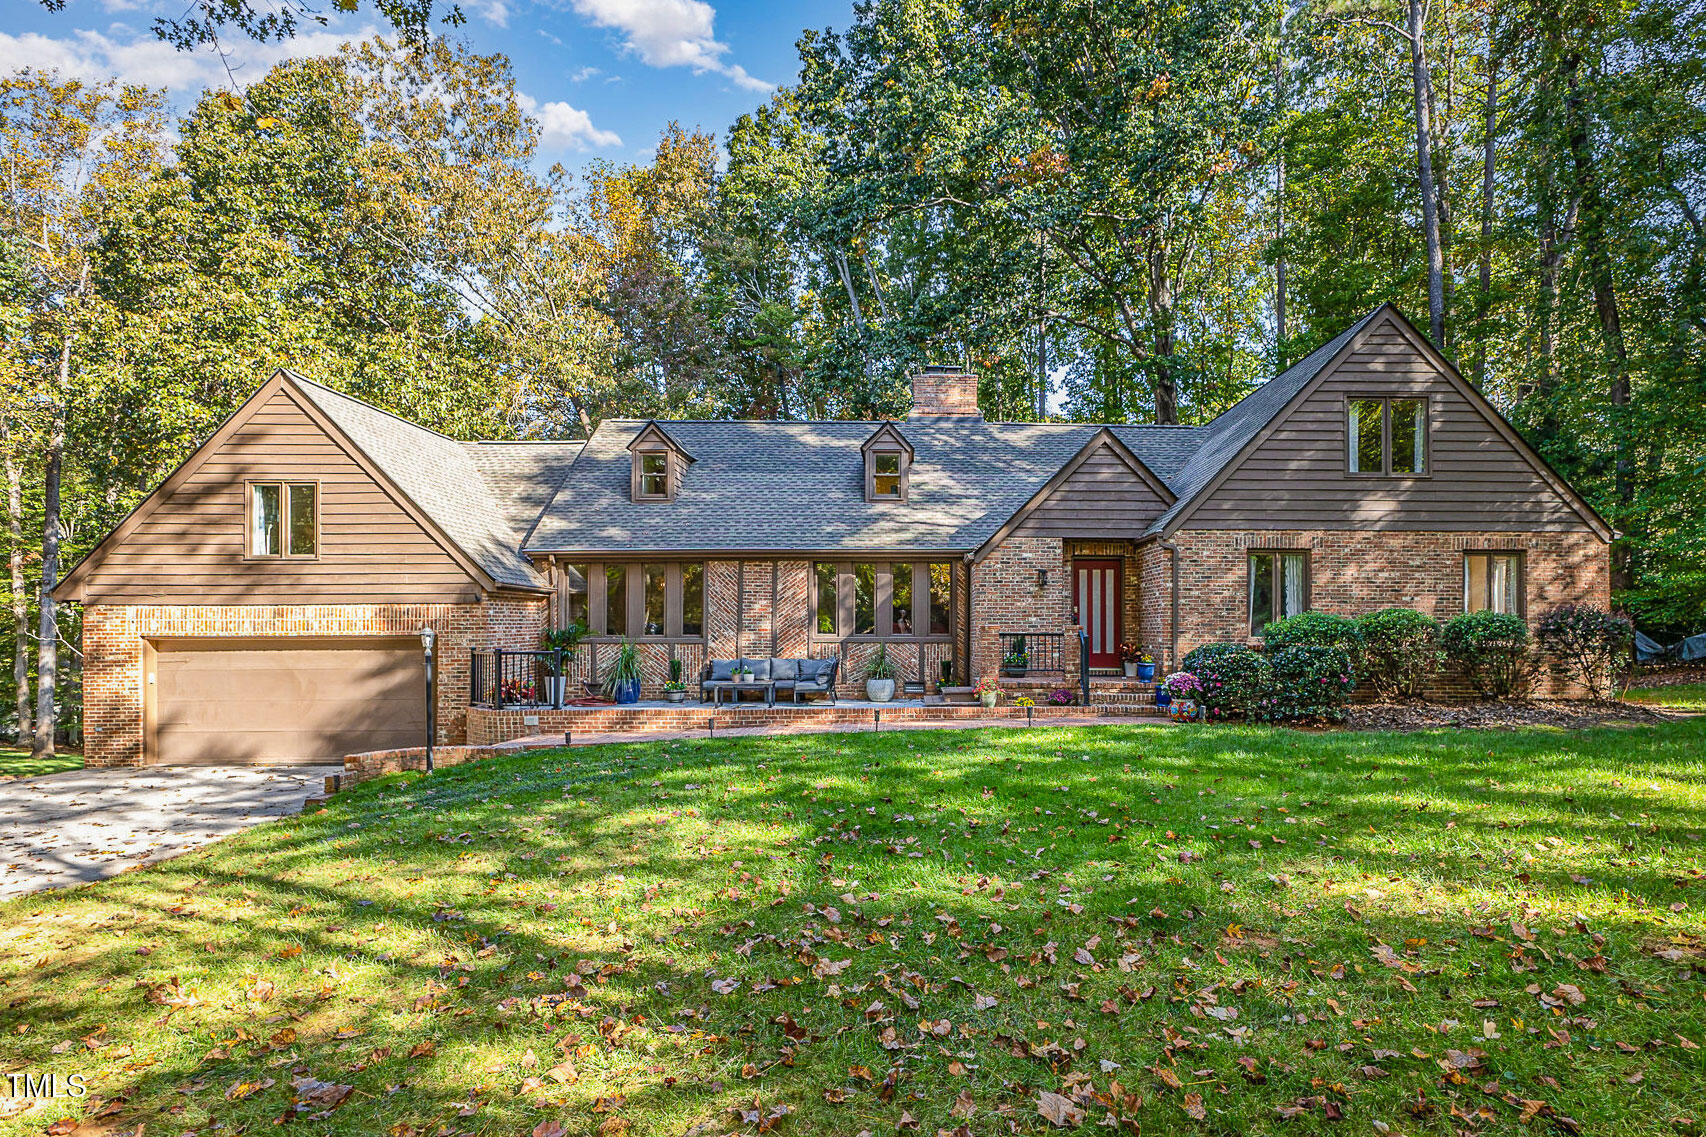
(428, 638)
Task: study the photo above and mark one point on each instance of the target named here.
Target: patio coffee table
(765, 685)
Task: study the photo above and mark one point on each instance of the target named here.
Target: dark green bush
(1316, 629)
(1490, 649)
(1400, 650)
(1587, 644)
(1232, 676)
(1310, 681)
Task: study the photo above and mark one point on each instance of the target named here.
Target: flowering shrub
(1319, 629)
(987, 685)
(1310, 681)
(1183, 685)
(1232, 676)
(1586, 644)
(516, 691)
(1490, 648)
(1061, 697)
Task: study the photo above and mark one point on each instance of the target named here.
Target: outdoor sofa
(796, 676)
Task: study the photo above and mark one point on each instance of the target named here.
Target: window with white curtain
(1386, 436)
(1279, 586)
(1492, 580)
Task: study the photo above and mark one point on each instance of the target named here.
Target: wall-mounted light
(1042, 578)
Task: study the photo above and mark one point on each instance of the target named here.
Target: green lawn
(1196, 930)
(16, 762)
(1684, 696)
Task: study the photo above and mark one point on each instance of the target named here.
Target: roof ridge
(345, 395)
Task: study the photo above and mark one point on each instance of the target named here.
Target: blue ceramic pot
(1146, 671)
(628, 691)
(1162, 696)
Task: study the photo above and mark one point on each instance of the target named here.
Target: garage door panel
(283, 704)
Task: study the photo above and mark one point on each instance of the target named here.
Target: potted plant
(879, 676)
(1145, 666)
(1016, 661)
(1183, 690)
(987, 691)
(675, 690)
(1130, 653)
(564, 640)
(622, 677)
(1062, 697)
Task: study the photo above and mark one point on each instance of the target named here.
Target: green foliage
(1490, 649)
(1233, 677)
(880, 665)
(1400, 650)
(1314, 629)
(624, 667)
(563, 639)
(1586, 644)
(1310, 681)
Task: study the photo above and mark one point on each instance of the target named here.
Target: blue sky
(603, 76)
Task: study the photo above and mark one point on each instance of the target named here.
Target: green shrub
(1310, 681)
(1400, 650)
(1316, 629)
(1490, 649)
(1586, 644)
(1232, 676)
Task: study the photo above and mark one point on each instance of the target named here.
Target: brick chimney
(944, 390)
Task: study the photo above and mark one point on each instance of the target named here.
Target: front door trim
(1098, 606)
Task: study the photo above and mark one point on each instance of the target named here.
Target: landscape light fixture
(428, 639)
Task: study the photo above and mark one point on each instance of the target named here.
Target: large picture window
(882, 600)
(1492, 581)
(1387, 437)
(657, 600)
(1279, 587)
(284, 519)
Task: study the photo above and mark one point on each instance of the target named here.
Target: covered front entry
(1097, 605)
(293, 701)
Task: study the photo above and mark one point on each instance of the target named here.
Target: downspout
(1173, 622)
(969, 611)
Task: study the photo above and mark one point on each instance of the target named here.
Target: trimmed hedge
(1490, 648)
(1310, 681)
(1400, 650)
(1232, 675)
(1315, 629)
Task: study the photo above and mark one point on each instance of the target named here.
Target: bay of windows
(882, 599)
(657, 599)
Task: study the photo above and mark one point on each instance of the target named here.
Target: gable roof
(1225, 438)
(792, 486)
(1236, 432)
(439, 476)
(1103, 438)
(888, 434)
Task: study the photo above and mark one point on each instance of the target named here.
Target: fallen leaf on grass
(1194, 1106)
(1058, 1110)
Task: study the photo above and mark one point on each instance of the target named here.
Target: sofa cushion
(815, 671)
(784, 670)
(760, 668)
(722, 670)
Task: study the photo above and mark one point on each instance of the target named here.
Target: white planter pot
(987, 698)
(675, 696)
(1130, 666)
(879, 690)
(559, 690)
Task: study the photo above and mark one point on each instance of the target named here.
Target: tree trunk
(1279, 206)
(1610, 318)
(47, 646)
(1161, 322)
(20, 601)
(1425, 175)
(1489, 150)
(847, 283)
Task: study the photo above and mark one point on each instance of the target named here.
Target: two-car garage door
(223, 701)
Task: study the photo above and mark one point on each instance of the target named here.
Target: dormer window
(654, 474)
(658, 462)
(888, 461)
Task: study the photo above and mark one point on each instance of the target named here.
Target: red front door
(1096, 603)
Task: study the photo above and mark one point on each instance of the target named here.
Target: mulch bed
(1503, 714)
(1670, 674)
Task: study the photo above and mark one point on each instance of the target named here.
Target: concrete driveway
(72, 828)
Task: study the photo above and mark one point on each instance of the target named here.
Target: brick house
(265, 602)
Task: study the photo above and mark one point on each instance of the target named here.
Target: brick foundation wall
(1006, 598)
(1353, 572)
(113, 637)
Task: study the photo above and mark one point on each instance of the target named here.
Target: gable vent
(944, 390)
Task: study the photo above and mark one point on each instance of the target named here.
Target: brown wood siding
(190, 549)
(1296, 478)
(1103, 497)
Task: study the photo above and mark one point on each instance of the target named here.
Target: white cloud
(670, 33)
(495, 12)
(143, 59)
(561, 125)
(584, 73)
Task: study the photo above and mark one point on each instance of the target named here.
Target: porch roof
(788, 486)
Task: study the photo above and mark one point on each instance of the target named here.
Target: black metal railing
(1032, 653)
(1083, 668)
(501, 677)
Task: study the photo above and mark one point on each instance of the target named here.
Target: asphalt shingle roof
(440, 476)
(800, 485)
